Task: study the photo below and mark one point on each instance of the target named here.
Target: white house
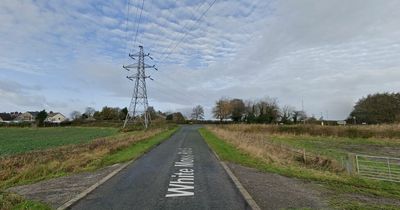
(55, 117)
(27, 117)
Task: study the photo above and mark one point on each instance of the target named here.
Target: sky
(68, 55)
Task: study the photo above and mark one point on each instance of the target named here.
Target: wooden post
(350, 163)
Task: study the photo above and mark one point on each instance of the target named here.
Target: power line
(130, 40)
(128, 5)
(138, 24)
(187, 32)
(179, 91)
(184, 26)
(169, 95)
(146, 17)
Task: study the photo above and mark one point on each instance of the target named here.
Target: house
(5, 117)
(55, 117)
(14, 115)
(27, 116)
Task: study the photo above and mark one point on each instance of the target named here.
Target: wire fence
(380, 168)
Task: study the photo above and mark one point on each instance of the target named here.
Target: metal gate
(381, 168)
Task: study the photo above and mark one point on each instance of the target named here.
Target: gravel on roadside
(58, 191)
(273, 191)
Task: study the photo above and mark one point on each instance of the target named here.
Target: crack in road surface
(181, 173)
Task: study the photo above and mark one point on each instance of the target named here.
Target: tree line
(375, 108)
(110, 114)
(257, 111)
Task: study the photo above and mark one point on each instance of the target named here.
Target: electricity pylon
(138, 108)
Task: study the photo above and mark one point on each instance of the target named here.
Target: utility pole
(138, 108)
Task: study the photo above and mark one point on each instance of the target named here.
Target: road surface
(181, 173)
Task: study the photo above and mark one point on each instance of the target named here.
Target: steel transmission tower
(138, 108)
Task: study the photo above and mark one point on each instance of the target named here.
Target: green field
(117, 149)
(339, 147)
(19, 140)
(337, 186)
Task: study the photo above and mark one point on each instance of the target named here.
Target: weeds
(364, 131)
(252, 152)
(257, 145)
(16, 202)
(38, 165)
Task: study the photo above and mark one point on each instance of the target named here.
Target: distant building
(27, 117)
(14, 115)
(55, 117)
(5, 117)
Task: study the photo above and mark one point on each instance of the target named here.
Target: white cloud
(330, 53)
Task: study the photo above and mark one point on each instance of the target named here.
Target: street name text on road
(182, 181)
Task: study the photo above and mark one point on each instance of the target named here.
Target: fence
(381, 168)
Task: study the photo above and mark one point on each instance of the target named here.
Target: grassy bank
(9, 201)
(349, 131)
(135, 150)
(40, 165)
(337, 182)
(318, 142)
(20, 140)
(339, 147)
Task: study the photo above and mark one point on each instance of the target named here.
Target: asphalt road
(181, 173)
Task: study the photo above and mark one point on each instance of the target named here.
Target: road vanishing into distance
(181, 173)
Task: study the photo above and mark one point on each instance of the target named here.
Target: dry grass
(256, 144)
(360, 131)
(34, 166)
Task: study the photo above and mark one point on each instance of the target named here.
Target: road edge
(84, 193)
(246, 195)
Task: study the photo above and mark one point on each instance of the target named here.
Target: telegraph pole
(138, 108)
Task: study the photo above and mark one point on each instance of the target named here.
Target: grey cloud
(330, 53)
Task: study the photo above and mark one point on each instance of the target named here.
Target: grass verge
(11, 201)
(349, 131)
(338, 183)
(95, 155)
(135, 150)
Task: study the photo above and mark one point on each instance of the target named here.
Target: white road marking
(182, 181)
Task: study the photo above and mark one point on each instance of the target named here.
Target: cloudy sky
(67, 55)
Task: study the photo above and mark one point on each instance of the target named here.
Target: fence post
(358, 167)
(350, 163)
(304, 156)
(390, 171)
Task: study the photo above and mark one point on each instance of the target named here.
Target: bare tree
(222, 109)
(286, 114)
(197, 113)
(268, 110)
(299, 116)
(75, 115)
(250, 111)
(89, 112)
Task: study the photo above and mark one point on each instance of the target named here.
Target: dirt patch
(373, 150)
(273, 191)
(372, 200)
(58, 191)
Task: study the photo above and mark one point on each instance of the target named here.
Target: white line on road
(182, 181)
